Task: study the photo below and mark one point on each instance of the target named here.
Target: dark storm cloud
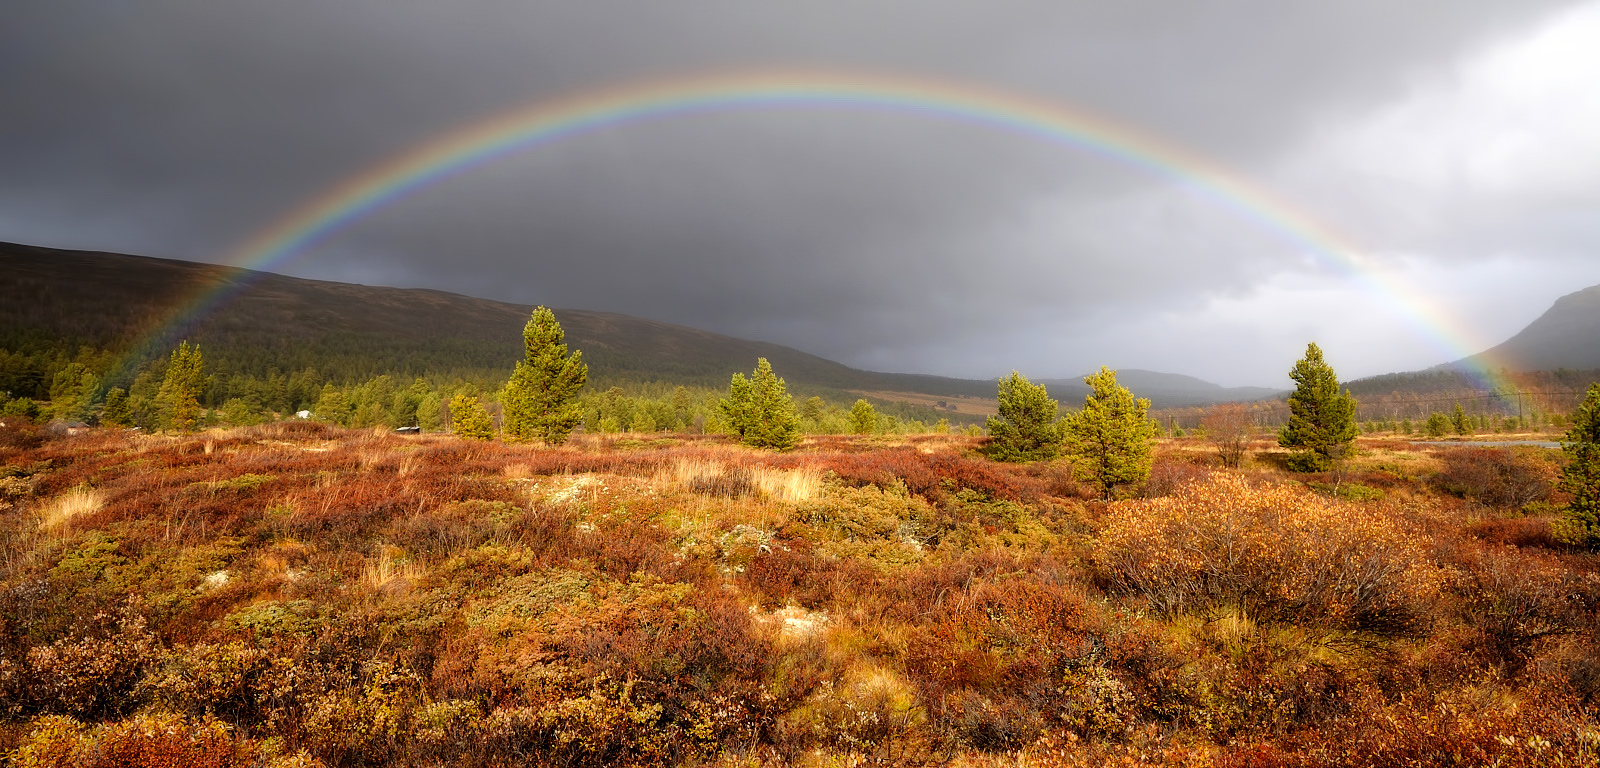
(883, 239)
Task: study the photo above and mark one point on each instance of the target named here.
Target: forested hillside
(354, 332)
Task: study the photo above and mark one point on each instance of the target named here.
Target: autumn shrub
(145, 741)
(1277, 552)
(93, 673)
(734, 484)
(882, 526)
(1533, 530)
(930, 475)
(869, 714)
(1228, 427)
(1440, 729)
(230, 680)
(353, 598)
(989, 661)
(793, 572)
(590, 669)
(1498, 477)
(1168, 473)
(365, 722)
(1234, 679)
(1516, 602)
(18, 433)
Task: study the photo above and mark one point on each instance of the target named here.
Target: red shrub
(989, 662)
(1548, 729)
(1498, 477)
(930, 475)
(791, 573)
(1168, 473)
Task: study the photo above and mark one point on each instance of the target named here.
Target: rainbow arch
(547, 121)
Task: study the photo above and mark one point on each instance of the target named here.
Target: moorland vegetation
(303, 594)
(1068, 590)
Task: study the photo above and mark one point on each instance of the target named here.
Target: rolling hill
(259, 321)
(350, 331)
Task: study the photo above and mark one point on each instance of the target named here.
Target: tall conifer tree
(469, 419)
(1581, 477)
(863, 418)
(179, 396)
(1111, 437)
(1026, 428)
(1322, 420)
(540, 400)
(760, 410)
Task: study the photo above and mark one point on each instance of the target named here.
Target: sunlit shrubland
(1275, 552)
(301, 594)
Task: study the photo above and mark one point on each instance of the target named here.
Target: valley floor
(299, 595)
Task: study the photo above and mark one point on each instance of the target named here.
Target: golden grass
(73, 503)
(787, 485)
(686, 471)
(783, 485)
(392, 567)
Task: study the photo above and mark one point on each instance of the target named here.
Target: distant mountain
(1566, 336)
(270, 321)
(1547, 367)
(1164, 390)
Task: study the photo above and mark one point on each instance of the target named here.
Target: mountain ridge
(1567, 336)
(272, 321)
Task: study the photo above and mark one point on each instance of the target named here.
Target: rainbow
(545, 122)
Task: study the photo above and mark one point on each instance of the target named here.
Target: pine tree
(469, 419)
(681, 405)
(1580, 522)
(1321, 420)
(118, 412)
(738, 409)
(72, 392)
(1026, 428)
(1460, 421)
(863, 418)
(179, 396)
(1437, 425)
(776, 426)
(811, 410)
(760, 411)
(1111, 438)
(540, 400)
(333, 405)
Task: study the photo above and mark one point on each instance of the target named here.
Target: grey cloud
(881, 239)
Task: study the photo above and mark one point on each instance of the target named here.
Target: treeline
(72, 382)
(1404, 403)
(1441, 417)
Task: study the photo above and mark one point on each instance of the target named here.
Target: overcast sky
(1455, 143)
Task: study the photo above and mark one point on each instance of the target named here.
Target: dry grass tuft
(392, 568)
(727, 479)
(73, 503)
(788, 485)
